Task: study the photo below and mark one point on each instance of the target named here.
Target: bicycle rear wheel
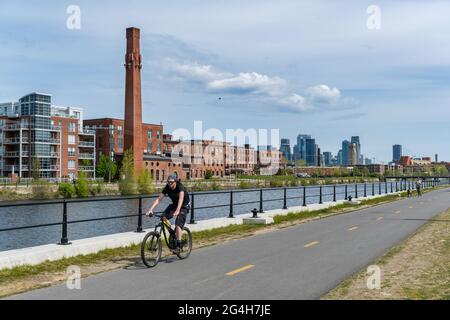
(186, 244)
(151, 249)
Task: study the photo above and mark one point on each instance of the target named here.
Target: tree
(106, 168)
(145, 183)
(366, 172)
(36, 165)
(41, 188)
(356, 172)
(82, 186)
(127, 183)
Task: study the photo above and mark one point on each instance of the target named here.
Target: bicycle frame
(164, 225)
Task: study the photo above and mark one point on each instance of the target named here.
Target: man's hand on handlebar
(149, 213)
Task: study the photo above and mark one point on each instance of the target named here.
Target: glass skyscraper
(345, 152)
(397, 152)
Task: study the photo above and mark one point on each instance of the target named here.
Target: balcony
(14, 154)
(16, 140)
(87, 156)
(47, 141)
(86, 132)
(10, 168)
(86, 144)
(86, 168)
(16, 127)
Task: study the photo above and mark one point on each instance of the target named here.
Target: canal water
(13, 217)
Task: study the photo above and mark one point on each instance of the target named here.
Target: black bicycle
(151, 248)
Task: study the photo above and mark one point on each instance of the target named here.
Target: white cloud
(248, 83)
(195, 71)
(323, 94)
(273, 90)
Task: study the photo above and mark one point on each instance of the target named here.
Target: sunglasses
(171, 182)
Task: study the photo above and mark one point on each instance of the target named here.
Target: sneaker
(177, 250)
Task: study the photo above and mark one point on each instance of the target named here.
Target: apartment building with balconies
(39, 139)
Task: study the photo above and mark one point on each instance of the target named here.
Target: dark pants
(181, 219)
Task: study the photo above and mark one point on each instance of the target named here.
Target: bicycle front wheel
(151, 250)
(186, 244)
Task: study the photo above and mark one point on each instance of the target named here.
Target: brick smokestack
(133, 98)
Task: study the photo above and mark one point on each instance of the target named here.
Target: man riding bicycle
(179, 207)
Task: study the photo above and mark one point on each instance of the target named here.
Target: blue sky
(299, 66)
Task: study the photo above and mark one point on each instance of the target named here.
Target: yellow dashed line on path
(353, 228)
(411, 207)
(312, 244)
(232, 273)
(397, 212)
(380, 218)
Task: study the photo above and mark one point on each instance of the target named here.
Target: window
(71, 152)
(158, 134)
(150, 146)
(71, 138)
(158, 147)
(120, 137)
(72, 127)
(71, 164)
(150, 134)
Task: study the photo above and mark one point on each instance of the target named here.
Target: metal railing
(360, 190)
(86, 156)
(86, 144)
(86, 168)
(15, 140)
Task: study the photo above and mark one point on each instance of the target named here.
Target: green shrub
(215, 186)
(276, 184)
(208, 175)
(66, 190)
(82, 186)
(145, 183)
(100, 187)
(244, 185)
(127, 184)
(42, 189)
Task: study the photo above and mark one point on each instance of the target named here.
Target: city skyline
(198, 73)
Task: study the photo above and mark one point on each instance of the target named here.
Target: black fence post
(379, 186)
(139, 228)
(373, 189)
(192, 209)
(320, 195)
(304, 196)
(231, 216)
(334, 193)
(356, 191)
(261, 208)
(392, 187)
(346, 192)
(396, 186)
(365, 190)
(64, 238)
(285, 199)
(385, 187)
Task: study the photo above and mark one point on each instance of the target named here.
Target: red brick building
(36, 135)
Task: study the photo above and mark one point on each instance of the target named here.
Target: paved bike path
(301, 262)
